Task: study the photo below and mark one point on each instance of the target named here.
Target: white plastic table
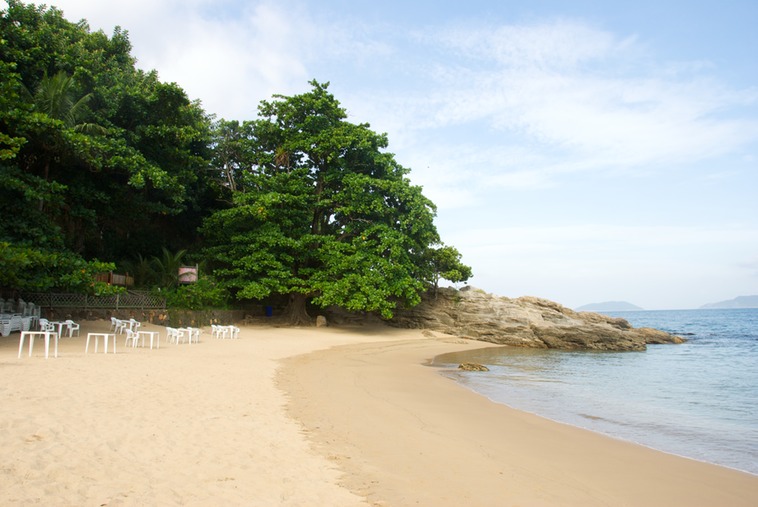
(59, 325)
(31, 335)
(106, 337)
(193, 333)
(154, 335)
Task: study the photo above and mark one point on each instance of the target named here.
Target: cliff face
(524, 322)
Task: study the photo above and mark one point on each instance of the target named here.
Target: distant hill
(609, 306)
(738, 302)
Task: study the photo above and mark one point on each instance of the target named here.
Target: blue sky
(580, 151)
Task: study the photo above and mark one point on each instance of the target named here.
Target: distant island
(609, 306)
(738, 302)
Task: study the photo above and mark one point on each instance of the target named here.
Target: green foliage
(55, 97)
(160, 271)
(100, 160)
(27, 268)
(324, 212)
(97, 158)
(203, 294)
(229, 153)
(11, 107)
(166, 268)
(445, 263)
(142, 270)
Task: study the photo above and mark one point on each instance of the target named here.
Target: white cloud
(233, 63)
(230, 57)
(557, 44)
(634, 121)
(583, 98)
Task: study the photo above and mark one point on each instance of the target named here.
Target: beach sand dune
(305, 417)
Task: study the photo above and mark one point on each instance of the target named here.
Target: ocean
(698, 399)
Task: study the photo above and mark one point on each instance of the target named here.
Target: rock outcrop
(524, 322)
(472, 367)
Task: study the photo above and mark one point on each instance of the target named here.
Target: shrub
(204, 293)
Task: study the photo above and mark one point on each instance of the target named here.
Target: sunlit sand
(305, 416)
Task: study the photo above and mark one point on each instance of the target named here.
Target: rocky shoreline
(525, 322)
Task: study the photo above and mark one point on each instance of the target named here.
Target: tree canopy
(97, 158)
(104, 165)
(323, 212)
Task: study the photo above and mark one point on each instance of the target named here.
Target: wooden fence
(115, 279)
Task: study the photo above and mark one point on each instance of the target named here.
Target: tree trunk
(296, 313)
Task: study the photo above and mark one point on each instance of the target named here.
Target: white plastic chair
(131, 335)
(234, 332)
(185, 333)
(173, 335)
(121, 326)
(6, 325)
(72, 326)
(133, 324)
(35, 312)
(45, 325)
(193, 334)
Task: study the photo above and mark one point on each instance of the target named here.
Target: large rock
(524, 322)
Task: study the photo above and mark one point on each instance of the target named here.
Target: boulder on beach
(472, 367)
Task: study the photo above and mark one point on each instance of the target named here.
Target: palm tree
(142, 269)
(167, 267)
(55, 97)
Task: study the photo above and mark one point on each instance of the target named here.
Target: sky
(581, 151)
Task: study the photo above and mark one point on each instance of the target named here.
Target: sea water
(698, 399)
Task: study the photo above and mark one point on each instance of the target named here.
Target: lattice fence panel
(112, 301)
(68, 300)
(140, 299)
(130, 299)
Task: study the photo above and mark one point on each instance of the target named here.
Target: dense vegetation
(105, 167)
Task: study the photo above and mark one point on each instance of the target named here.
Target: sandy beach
(304, 417)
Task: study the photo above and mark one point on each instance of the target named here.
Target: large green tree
(324, 213)
(97, 158)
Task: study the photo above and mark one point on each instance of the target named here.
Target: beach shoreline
(305, 416)
(406, 435)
